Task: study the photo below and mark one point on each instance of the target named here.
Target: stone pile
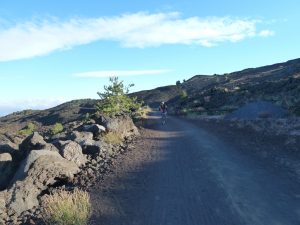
(77, 156)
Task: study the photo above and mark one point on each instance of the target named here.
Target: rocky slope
(212, 95)
(76, 156)
(64, 113)
(222, 94)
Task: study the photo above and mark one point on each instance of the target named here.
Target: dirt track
(182, 174)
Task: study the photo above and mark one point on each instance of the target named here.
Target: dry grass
(112, 138)
(141, 115)
(67, 208)
(144, 111)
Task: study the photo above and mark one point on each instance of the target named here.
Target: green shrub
(57, 128)
(115, 99)
(67, 208)
(183, 94)
(28, 130)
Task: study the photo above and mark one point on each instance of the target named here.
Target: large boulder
(91, 147)
(96, 129)
(35, 142)
(72, 151)
(27, 163)
(7, 146)
(47, 169)
(6, 168)
(60, 136)
(50, 147)
(5, 157)
(80, 137)
(122, 125)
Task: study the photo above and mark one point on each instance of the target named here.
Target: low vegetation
(67, 208)
(57, 128)
(183, 94)
(87, 117)
(24, 112)
(28, 130)
(141, 113)
(112, 138)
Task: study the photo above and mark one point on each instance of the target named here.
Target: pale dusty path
(179, 174)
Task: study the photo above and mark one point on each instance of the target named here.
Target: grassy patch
(28, 130)
(57, 128)
(67, 208)
(112, 138)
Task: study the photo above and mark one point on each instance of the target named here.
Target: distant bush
(24, 112)
(87, 117)
(57, 128)
(178, 83)
(183, 94)
(67, 208)
(115, 99)
(28, 130)
(112, 138)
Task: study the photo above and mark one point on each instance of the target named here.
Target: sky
(53, 51)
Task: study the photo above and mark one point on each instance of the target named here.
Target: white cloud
(119, 73)
(266, 33)
(141, 30)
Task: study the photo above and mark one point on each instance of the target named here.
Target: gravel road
(181, 174)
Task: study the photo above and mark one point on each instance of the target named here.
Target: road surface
(181, 174)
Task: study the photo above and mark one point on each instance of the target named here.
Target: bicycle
(163, 118)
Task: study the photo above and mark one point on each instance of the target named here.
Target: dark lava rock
(256, 110)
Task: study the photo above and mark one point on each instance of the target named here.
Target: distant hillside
(216, 94)
(64, 113)
(219, 94)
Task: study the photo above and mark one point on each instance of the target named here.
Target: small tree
(178, 83)
(115, 99)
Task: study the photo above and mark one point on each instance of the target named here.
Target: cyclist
(163, 108)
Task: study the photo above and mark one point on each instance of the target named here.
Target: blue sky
(52, 51)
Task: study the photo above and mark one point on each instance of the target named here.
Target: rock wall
(39, 162)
